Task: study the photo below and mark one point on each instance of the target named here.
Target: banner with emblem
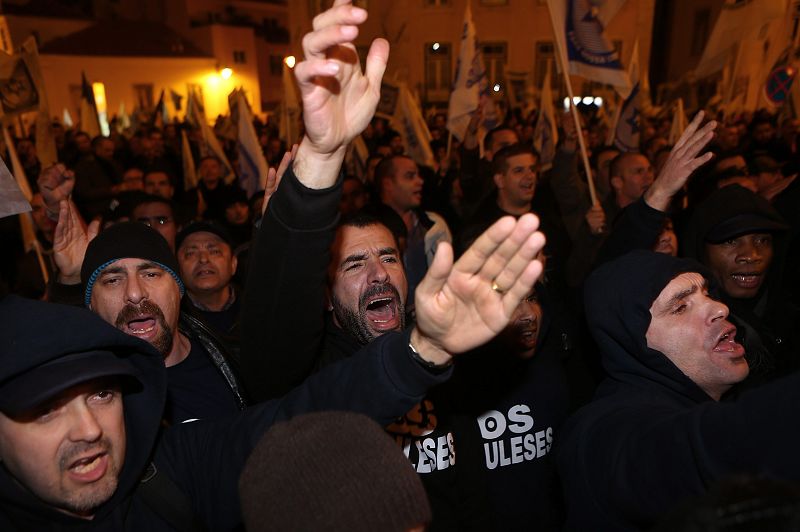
(252, 164)
(471, 85)
(627, 122)
(413, 129)
(579, 29)
(545, 134)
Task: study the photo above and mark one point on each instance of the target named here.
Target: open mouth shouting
(381, 307)
(747, 280)
(726, 343)
(145, 321)
(89, 468)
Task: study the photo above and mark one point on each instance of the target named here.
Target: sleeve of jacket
(637, 227)
(570, 192)
(206, 458)
(283, 303)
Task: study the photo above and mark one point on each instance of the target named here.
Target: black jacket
(651, 437)
(204, 458)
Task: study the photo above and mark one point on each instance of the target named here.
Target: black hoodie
(651, 437)
(766, 323)
(204, 458)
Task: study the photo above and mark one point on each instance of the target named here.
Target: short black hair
(500, 159)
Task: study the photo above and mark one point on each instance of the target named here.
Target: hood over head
(618, 298)
(34, 334)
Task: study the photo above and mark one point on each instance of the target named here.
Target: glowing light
(496, 87)
(290, 61)
(435, 46)
(588, 100)
(576, 100)
(566, 103)
(99, 91)
(226, 73)
(598, 101)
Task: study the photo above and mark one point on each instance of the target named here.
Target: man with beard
(129, 277)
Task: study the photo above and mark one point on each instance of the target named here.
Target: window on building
(437, 3)
(143, 95)
(495, 57)
(702, 24)
(437, 70)
(239, 57)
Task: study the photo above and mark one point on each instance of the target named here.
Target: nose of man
(83, 423)
(135, 290)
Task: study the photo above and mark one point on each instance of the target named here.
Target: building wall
(44, 28)
(120, 74)
(411, 25)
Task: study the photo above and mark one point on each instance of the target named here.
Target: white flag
(471, 86)
(252, 164)
(545, 135)
(290, 109)
(679, 123)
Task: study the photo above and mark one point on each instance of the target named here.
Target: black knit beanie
(122, 241)
(334, 471)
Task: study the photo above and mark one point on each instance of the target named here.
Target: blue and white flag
(408, 120)
(627, 125)
(579, 27)
(471, 85)
(252, 164)
(545, 134)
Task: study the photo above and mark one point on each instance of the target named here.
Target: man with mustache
(130, 278)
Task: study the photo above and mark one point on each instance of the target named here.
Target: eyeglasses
(150, 221)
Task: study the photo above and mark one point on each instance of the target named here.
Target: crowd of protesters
(635, 383)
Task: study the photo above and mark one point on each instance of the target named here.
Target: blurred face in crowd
(237, 213)
(692, 330)
(517, 185)
(763, 132)
(141, 299)
(26, 150)
(69, 451)
(667, 241)
(132, 178)
(159, 216)
(403, 190)
(521, 335)
(740, 264)
(157, 143)
(40, 218)
(158, 184)
(105, 149)
(207, 263)
(728, 137)
(396, 143)
(354, 197)
(736, 161)
(367, 282)
(210, 172)
(83, 143)
(500, 139)
(635, 177)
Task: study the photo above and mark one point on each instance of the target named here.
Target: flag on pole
(189, 172)
(545, 134)
(471, 85)
(738, 21)
(90, 122)
(209, 144)
(252, 164)
(626, 127)
(413, 129)
(176, 99)
(290, 109)
(679, 123)
(579, 27)
(158, 119)
(12, 199)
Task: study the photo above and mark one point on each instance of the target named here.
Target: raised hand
(274, 176)
(682, 161)
(70, 241)
(338, 99)
(56, 184)
(596, 219)
(463, 305)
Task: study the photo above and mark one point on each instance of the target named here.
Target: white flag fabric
(413, 129)
(90, 121)
(679, 123)
(210, 144)
(12, 199)
(626, 130)
(738, 21)
(579, 27)
(545, 134)
(252, 164)
(290, 109)
(189, 172)
(471, 85)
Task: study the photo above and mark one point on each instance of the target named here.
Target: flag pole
(561, 56)
(38, 249)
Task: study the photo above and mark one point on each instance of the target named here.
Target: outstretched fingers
(377, 59)
(690, 130)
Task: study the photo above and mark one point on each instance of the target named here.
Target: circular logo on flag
(779, 83)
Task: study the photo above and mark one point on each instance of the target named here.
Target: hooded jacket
(651, 437)
(767, 321)
(204, 458)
